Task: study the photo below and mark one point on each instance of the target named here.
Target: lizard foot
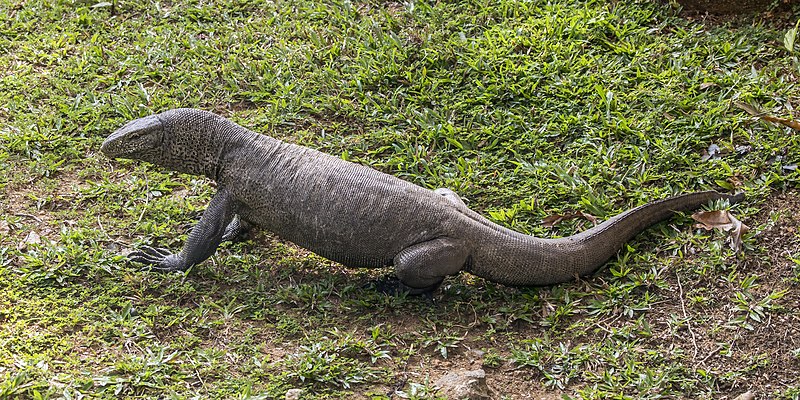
(237, 231)
(392, 286)
(427, 291)
(158, 259)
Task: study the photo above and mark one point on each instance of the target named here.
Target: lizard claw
(236, 231)
(149, 255)
(158, 259)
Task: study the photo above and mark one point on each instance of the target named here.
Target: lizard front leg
(202, 242)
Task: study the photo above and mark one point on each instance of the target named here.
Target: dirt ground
(732, 6)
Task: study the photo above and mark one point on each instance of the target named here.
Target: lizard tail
(512, 258)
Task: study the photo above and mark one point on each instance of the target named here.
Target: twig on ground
(754, 111)
(686, 317)
(31, 216)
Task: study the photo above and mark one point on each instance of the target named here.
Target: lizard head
(140, 139)
(184, 140)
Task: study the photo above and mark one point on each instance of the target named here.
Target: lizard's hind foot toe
(391, 285)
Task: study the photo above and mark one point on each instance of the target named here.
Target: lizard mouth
(132, 137)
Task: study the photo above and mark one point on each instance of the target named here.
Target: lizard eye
(147, 138)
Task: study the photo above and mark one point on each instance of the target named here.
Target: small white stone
(465, 385)
(293, 394)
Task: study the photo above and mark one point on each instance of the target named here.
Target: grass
(525, 108)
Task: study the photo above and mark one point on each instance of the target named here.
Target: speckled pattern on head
(356, 215)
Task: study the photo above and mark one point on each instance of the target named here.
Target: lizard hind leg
(423, 266)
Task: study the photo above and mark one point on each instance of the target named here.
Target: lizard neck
(201, 143)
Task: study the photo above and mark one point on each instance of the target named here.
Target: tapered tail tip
(736, 198)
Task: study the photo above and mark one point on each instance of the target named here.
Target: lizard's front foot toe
(158, 259)
(149, 255)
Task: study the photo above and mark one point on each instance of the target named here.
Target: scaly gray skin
(355, 215)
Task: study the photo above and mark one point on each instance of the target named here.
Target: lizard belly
(357, 216)
(367, 239)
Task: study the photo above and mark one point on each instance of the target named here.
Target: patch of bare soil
(34, 216)
(733, 14)
(730, 6)
(507, 381)
(724, 337)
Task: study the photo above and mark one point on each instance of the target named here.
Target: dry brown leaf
(590, 217)
(553, 220)
(783, 121)
(769, 118)
(712, 219)
(4, 228)
(724, 220)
